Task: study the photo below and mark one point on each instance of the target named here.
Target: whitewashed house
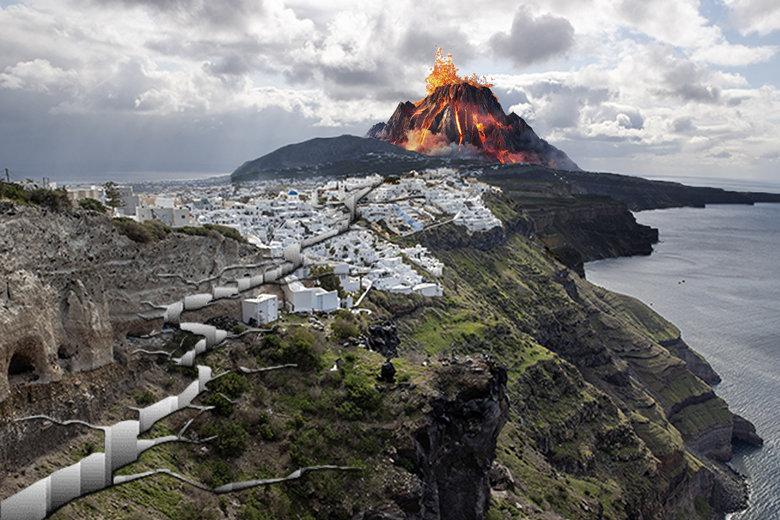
(263, 309)
(300, 298)
(326, 301)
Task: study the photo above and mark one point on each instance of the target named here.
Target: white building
(173, 217)
(300, 298)
(263, 309)
(348, 284)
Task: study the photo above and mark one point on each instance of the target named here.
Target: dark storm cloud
(90, 146)
(533, 39)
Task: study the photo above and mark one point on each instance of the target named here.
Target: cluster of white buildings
(420, 199)
(292, 218)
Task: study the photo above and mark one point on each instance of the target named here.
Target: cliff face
(456, 449)
(524, 389)
(591, 381)
(577, 227)
(584, 228)
(72, 290)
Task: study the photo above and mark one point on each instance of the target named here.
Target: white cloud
(734, 55)
(760, 16)
(37, 75)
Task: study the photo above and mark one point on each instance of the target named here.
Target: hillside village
(308, 216)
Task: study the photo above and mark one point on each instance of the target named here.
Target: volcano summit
(467, 121)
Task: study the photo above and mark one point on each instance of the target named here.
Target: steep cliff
(629, 400)
(581, 228)
(523, 392)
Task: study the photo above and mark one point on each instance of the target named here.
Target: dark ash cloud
(533, 39)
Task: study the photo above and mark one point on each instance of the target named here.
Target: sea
(715, 274)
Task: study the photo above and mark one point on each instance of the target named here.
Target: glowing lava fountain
(462, 117)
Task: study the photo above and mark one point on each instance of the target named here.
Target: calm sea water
(716, 275)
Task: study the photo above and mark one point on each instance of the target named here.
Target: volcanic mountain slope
(466, 120)
(343, 155)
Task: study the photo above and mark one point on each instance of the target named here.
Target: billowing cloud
(182, 82)
(759, 16)
(37, 75)
(533, 39)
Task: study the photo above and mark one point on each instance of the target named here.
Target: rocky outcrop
(581, 228)
(453, 448)
(745, 431)
(74, 288)
(383, 338)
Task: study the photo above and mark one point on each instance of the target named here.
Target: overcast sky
(120, 89)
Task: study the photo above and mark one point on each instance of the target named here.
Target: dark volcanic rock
(696, 363)
(455, 451)
(343, 155)
(388, 372)
(383, 338)
(744, 431)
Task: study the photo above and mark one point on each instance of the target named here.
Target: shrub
(157, 229)
(232, 385)
(343, 329)
(298, 457)
(13, 191)
(267, 433)
(194, 231)
(144, 398)
(239, 328)
(133, 230)
(217, 472)
(92, 205)
(231, 438)
(227, 232)
(221, 405)
(271, 341)
(250, 512)
(349, 411)
(53, 199)
(362, 392)
(298, 349)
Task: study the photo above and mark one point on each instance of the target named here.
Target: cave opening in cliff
(21, 369)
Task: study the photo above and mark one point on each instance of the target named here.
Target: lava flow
(461, 117)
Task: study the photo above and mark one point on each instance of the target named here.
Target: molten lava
(461, 117)
(445, 73)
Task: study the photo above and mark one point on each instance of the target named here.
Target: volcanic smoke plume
(461, 117)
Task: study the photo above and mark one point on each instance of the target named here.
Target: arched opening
(63, 357)
(21, 369)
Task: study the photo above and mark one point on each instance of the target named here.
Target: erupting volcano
(462, 117)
